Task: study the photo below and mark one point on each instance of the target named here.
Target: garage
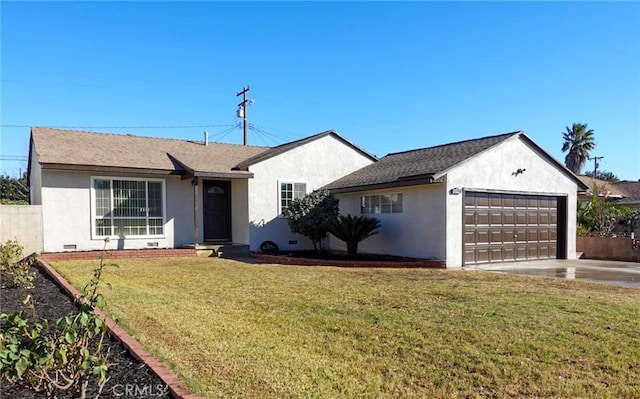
(507, 227)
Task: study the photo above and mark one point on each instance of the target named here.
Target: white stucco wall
(416, 232)
(66, 213)
(35, 179)
(494, 170)
(22, 223)
(316, 163)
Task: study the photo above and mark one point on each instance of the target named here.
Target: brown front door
(508, 227)
(217, 210)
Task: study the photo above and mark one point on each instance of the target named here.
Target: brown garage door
(507, 227)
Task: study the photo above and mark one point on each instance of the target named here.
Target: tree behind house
(578, 140)
(603, 175)
(14, 190)
(311, 215)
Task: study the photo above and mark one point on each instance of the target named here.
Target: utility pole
(242, 111)
(595, 165)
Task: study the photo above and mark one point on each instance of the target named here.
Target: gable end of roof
(275, 151)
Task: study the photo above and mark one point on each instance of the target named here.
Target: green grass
(230, 329)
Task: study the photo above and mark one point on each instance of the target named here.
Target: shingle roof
(272, 152)
(631, 189)
(75, 148)
(409, 167)
(606, 188)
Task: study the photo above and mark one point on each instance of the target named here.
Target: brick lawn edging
(119, 254)
(175, 385)
(287, 260)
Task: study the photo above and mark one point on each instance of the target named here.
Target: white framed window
(127, 207)
(381, 203)
(290, 191)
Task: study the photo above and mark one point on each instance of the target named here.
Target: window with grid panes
(126, 207)
(289, 192)
(383, 203)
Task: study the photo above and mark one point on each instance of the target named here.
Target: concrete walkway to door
(602, 271)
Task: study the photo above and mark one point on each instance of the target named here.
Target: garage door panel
(509, 252)
(544, 234)
(482, 255)
(482, 218)
(544, 218)
(495, 201)
(469, 218)
(508, 202)
(482, 201)
(495, 218)
(495, 236)
(520, 235)
(507, 227)
(470, 256)
(495, 254)
(543, 251)
(469, 236)
(509, 218)
(482, 237)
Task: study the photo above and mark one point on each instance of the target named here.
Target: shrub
(40, 357)
(353, 229)
(17, 268)
(311, 215)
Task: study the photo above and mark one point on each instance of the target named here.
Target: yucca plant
(353, 229)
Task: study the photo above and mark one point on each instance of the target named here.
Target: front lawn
(231, 329)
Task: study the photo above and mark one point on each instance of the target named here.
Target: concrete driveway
(601, 271)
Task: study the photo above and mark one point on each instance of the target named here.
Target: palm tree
(578, 141)
(353, 229)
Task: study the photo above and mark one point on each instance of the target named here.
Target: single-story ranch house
(492, 199)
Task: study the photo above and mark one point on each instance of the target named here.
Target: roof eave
(224, 175)
(109, 169)
(380, 186)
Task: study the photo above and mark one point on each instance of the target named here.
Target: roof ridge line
(145, 137)
(456, 142)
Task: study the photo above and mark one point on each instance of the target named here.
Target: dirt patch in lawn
(126, 376)
(312, 258)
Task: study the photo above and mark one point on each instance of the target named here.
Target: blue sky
(389, 76)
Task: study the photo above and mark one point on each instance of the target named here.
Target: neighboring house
(631, 199)
(150, 192)
(493, 199)
(631, 191)
(606, 189)
(625, 193)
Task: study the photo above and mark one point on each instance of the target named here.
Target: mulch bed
(128, 377)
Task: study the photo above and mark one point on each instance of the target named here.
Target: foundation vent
(152, 244)
(69, 246)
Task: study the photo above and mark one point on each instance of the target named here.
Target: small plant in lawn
(14, 266)
(68, 356)
(353, 229)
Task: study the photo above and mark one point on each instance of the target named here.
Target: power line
(13, 158)
(124, 127)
